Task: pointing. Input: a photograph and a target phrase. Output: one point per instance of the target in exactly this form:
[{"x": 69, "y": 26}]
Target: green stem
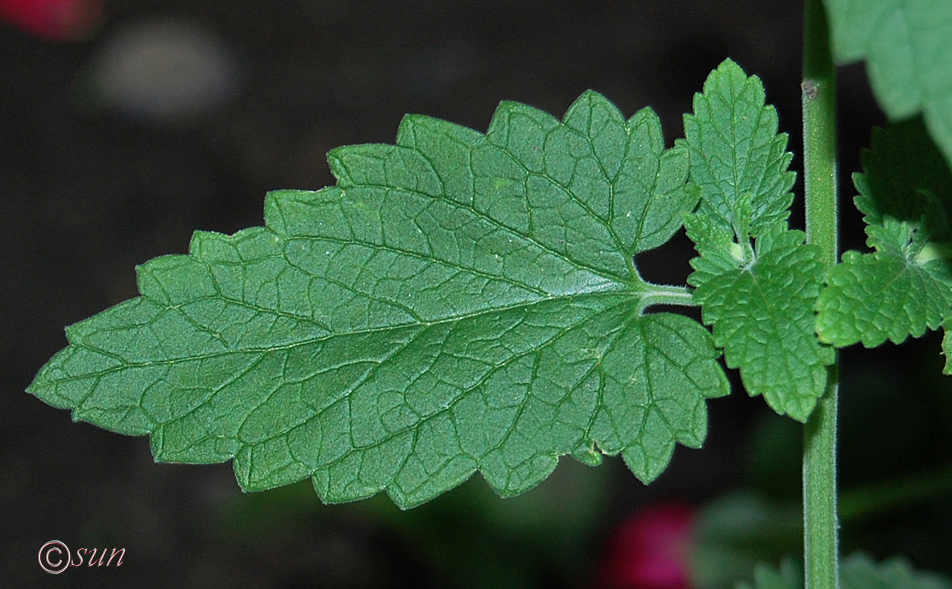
[
  {"x": 662, "y": 294},
  {"x": 820, "y": 523}
]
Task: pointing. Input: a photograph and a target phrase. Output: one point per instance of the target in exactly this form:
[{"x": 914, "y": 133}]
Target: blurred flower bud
[{"x": 650, "y": 550}]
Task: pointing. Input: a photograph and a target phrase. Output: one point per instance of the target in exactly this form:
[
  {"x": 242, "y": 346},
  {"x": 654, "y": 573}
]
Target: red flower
[
  {"x": 650, "y": 550},
  {"x": 53, "y": 20}
]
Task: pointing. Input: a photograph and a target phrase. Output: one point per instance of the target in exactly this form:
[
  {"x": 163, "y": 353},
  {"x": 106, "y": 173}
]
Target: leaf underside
[
  {"x": 759, "y": 299},
  {"x": 460, "y": 302},
  {"x": 908, "y": 57},
  {"x": 903, "y": 287}
]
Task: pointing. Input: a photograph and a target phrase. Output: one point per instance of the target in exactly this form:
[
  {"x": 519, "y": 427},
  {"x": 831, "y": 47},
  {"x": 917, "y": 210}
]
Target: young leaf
[
  {"x": 759, "y": 299},
  {"x": 908, "y": 57},
  {"x": 738, "y": 159},
  {"x": 460, "y": 302},
  {"x": 763, "y": 317},
  {"x": 905, "y": 286}
]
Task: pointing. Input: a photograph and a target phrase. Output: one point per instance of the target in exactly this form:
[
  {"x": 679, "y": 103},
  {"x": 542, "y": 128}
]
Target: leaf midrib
[{"x": 288, "y": 346}]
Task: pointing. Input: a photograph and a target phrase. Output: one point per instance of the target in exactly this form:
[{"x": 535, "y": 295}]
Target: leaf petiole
[{"x": 662, "y": 294}]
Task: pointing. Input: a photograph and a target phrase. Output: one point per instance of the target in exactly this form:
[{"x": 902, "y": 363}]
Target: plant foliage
[
  {"x": 759, "y": 299},
  {"x": 904, "y": 286},
  {"x": 459, "y": 302},
  {"x": 858, "y": 571},
  {"x": 467, "y": 302},
  {"x": 907, "y": 52}
]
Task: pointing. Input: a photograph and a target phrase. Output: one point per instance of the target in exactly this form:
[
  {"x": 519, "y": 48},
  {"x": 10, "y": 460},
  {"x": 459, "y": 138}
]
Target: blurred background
[{"x": 124, "y": 126}]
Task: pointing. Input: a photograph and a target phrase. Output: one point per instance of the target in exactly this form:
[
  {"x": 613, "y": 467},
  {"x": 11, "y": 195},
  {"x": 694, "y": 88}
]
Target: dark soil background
[{"x": 90, "y": 187}]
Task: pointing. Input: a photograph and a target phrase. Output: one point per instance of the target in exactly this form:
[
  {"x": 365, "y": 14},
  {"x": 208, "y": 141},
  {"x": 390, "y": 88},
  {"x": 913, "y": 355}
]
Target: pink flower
[
  {"x": 53, "y": 20},
  {"x": 650, "y": 550}
]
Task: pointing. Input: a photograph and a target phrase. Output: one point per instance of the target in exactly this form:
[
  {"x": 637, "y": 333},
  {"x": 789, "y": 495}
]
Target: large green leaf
[
  {"x": 460, "y": 302},
  {"x": 908, "y": 56},
  {"x": 759, "y": 298}
]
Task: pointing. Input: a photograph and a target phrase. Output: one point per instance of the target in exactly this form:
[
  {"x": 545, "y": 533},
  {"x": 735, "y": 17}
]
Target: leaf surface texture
[
  {"x": 757, "y": 282},
  {"x": 459, "y": 302}
]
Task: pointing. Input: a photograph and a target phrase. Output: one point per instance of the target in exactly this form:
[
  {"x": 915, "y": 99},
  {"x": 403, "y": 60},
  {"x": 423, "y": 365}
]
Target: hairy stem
[
  {"x": 658, "y": 294},
  {"x": 820, "y": 523}
]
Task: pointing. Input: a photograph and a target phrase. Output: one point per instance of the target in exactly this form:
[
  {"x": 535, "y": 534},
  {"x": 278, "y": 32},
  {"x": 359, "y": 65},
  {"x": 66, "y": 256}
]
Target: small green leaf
[
  {"x": 907, "y": 180},
  {"x": 873, "y": 297},
  {"x": 461, "y": 302},
  {"x": 859, "y": 571},
  {"x": 738, "y": 159},
  {"x": 908, "y": 56},
  {"x": 905, "y": 286},
  {"x": 763, "y": 317},
  {"x": 758, "y": 298}
]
